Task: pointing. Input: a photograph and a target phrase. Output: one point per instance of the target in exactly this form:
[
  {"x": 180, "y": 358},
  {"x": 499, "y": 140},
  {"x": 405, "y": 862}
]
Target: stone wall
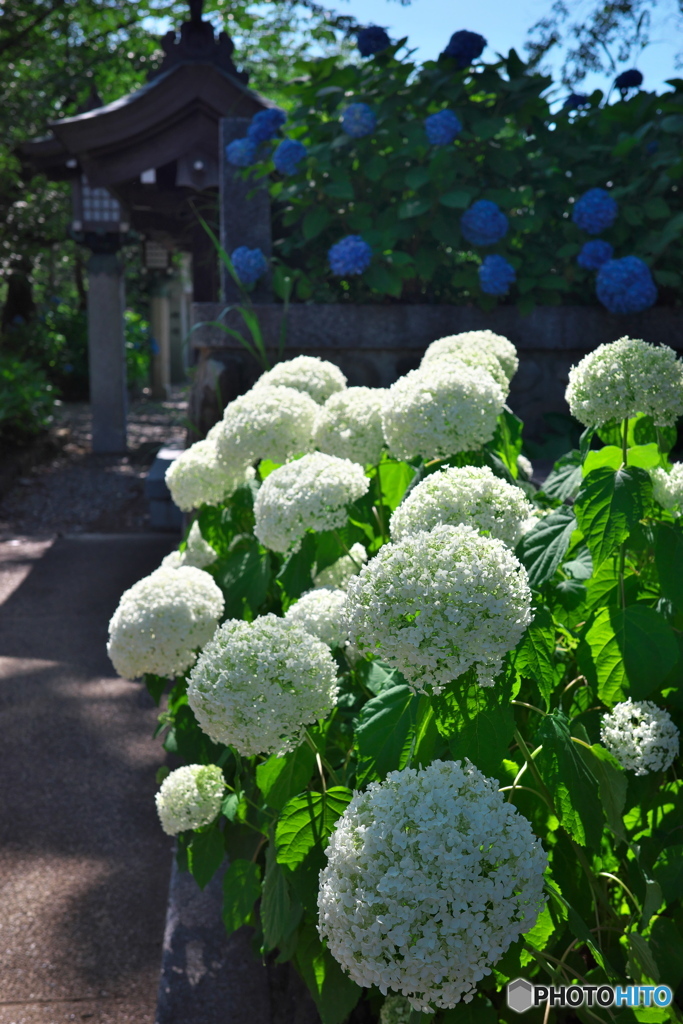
[{"x": 374, "y": 345}]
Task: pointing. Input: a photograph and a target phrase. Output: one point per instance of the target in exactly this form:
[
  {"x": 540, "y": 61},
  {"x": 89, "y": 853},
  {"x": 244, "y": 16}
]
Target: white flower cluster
[
  {"x": 258, "y": 684},
  {"x": 349, "y": 425},
  {"x": 162, "y": 620},
  {"x": 437, "y": 603},
  {"x": 197, "y": 553},
  {"x": 317, "y": 377},
  {"x": 440, "y": 410},
  {"x": 431, "y": 875},
  {"x": 495, "y": 344},
  {"x": 628, "y": 376},
  {"x": 641, "y": 736},
  {"x": 190, "y": 797},
  {"x": 667, "y": 488},
  {"x": 267, "y": 423},
  {"x": 199, "y": 477},
  {"x": 309, "y": 494},
  {"x": 340, "y": 572},
  {"x": 321, "y": 613},
  {"x": 469, "y": 352},
  {"x": 525, "y": 467},
  {"x": 465, "y": 495}
]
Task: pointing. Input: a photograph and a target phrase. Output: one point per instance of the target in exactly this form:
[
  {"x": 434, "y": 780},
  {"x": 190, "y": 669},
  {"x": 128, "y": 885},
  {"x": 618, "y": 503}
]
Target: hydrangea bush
[{"x": 436, "y": 706}]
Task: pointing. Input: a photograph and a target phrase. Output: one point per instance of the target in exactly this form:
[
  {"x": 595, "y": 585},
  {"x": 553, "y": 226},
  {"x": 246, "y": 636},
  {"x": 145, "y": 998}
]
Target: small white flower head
[
  {"x": 641, "y": 736},
  {"x": 311, "y": 493},
  {"x": 525, "y": 467},
  {"x": 321, "y": 613},
  {"x": 190, "y": 797},
  {"x": 441, "y": 410},
  {"x": 267, "y": 423},
  {"x": 197, "y": 553},
  {"x": 349, "y": 425},
  {"x": 395, "y": 1010},
  {"x": 436, "y": 604},
  {"x": 667, "y": 488},
  {"x": 628, "y": 376},
  {"x": 257, "y": 685},
  {"x": 162, "y": 621},
  {"x": 468, "y": 495},
  {"x": 317, "y": 377},
  {"x": 431, "y": 875},
  {"x": 198, "y": 477},
  {"x": 340, "y": 572},
  {"x": 469, "y": 352},
  {"x": 495, "y": 344}
]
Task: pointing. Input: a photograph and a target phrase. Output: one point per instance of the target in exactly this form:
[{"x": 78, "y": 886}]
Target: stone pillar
[
  {"x": 107, "y": 353},
  {"x": 160, "y": 327},
  {"x": 244, "y": 221}
]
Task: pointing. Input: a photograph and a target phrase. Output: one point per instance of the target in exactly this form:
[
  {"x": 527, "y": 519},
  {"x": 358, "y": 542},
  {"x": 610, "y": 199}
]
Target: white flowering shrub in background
[
  {"x": 190, "y": 797},
  {"x": 420, "y": 734}
]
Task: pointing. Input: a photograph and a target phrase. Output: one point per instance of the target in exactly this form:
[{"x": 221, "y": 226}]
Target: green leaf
[
  {"x": 385, "y": 729},
  {"x": 377, "y": 676},
  {"x": 281, "y": 778},
  {"x": 295, "y": 575},
  {"x": 413, "y": 208},
  {"x": 641, "y": 963},
  {"x": 542, "y": 549},
  {"x": 608, "y": 505},
  {"x": 155, "y": 686},
  {"x": 656, "y": 208},
  {"x": 612, "y": 785},
  {"x": 479, "y": 1011},
  {"x": 334, "y": 994},
  {"x": 307, "y": 821},
  {"x": 205, "y": 855},
  {"x": 477, "y": 721},
  {"x": 315, "y": 221},
  {"x": 669, "y": 562},
  {"x": 241, "y": 889},
  {"x": 384, "y": 279},
  {"x": 534, "y": 656},
  {"x": 243, "y": 576},
  {"x": 564, "y": 481},
  {"x": 394, "y": 478},
  {"x": 275, "y": 902},
  {"x": 609, "y": 457},
  {"x": 573, "y": 786},
  {"x": 458, "y": 199},
  {"x": 668, "y": 872},
  {"x": 580, "y": 930},
  {"x": 632, "y": 651},
  {"x": 416, "y": 177}
]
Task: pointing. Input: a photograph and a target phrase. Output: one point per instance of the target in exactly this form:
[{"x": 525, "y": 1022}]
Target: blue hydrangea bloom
[
  {"x": 595, "y": 211},
  {"x": 372, "y": 40},
  {"x": 358, "y": 120},
  {"x": 496, "y": 275},
  {"x": 249, "y": 264},
  {"x": 626, "y": 285},
  {"x": 630, "y": 79},
  {"x": 442, "y": 128},
  {"x": 241, "y": 152},
  {"x": 576, "y": 100},
  {"x": 484, "y": 223},
  {"x": 264, "y": 125},
  {"x": 465, "y": 47},
  {"x": 288, "y": 156},
  {"x": 594, "y": 254},
  {"x": 352, "y": 255}
]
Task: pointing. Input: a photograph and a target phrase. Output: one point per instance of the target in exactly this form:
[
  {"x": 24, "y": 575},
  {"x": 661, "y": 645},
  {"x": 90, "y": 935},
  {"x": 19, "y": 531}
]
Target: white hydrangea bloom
[
  {"x": 258, "y": 684},
  {"x": 435, "y": 604},
  {"x": 317, "y": 377},
  {"x": 199, "y": 477},
  {"x": 431, "y": 875},
  {"x": 628, "y": 376},
  {"x": 440, "y": 410},
  {"x": 349, "y": 425},
  {"x": 495, "y": 344},
  {"x": 641, "y": 736},
  {"x": 469, "y": 352},
  {"x": 321, "y": 613},
  {"x": 162, "y": 620},
  {"x": 190, "y": 797},
  {"x": 667, "y": 488},
  {"x": 395, "y": 1010},
  {"x": 309, "y": 494},
  {"x": 525, "y": 467},
  {"x": 340, "y": 572},
  {"x": 267, "y": 423},
  {"x": 469, "y": 495},
  {"x": 197, "y": 553}
]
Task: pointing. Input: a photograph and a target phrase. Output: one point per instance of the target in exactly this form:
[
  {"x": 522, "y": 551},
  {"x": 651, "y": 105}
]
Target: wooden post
[
  {"x": 107, "y": 353},
  {"x": 160, "y": 327}
]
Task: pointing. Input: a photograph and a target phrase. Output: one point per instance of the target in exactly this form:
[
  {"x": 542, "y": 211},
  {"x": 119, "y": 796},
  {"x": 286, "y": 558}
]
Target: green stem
[
  {"x": 380, "y": 506},
  {"x": 357, "y": 564},
  {"x": 622, "y": 550},
  {"x": 624, "y": 443},
  {"x": 532, "y": 707},
  {"x": 317, "y": 753}
]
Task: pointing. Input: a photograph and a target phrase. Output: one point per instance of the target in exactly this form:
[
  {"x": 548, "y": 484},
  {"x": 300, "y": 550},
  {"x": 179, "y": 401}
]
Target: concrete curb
[{"x": 208, "y": 977}]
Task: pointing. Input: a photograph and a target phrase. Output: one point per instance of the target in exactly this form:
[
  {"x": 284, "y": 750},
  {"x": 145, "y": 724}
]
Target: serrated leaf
[
  {"x": 306, "y": 821},
  {"x": 394, "y": 478},
  {"x": 477, "y": 721},
  {"x": 564, "y": 481},
  {"x": 632, "y": 651},
  {"x": 377, "y": 676},
  {"x": 334, "y": 994},
  {"x": 612, "y": 785},
  {"x": 534, "y": 656},
  {"x": 205, "y": 855},
  {"x": 275, "y": 902},
  {"x": 580, "y": 930},
  {"x": 243, "y": 575},
  {"x": 385, "y": 728},
  {"x": 573, "y": 786},
  {"x": 542, "y": 549},
  {"x": 608, "y": 505},
  {"x": 641, "y": 963},
  {"x": 241, "y": 889},
  {"x": 281, "y": 778}
]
